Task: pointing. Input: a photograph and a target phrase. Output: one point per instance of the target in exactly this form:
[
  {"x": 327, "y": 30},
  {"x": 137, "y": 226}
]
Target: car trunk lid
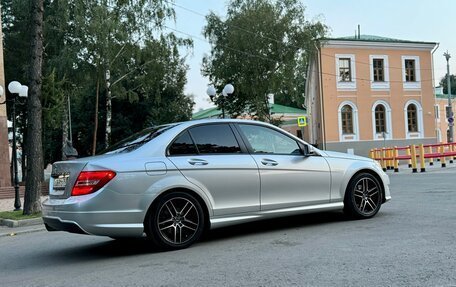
[{"x": 63, "y": 177}]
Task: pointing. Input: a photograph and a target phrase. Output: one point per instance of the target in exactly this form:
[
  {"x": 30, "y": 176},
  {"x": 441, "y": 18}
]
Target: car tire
[
  {"x": 176, "y": 221},
  {"x": 363, "y": 197}
]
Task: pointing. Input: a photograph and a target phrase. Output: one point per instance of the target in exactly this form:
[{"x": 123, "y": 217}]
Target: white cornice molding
[{"x": 377, "y": 45}]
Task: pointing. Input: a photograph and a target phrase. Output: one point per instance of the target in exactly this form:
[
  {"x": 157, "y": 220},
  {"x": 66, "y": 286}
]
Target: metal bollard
[
  {"x": 396, "y": 161},
  {"x": 431, "y": 159},
  {"x": 413, "y": 159},
  {"x": 409, "y": 154},
  {"x": 442, "y": 157},
  {"x": 422, "y": 161}
]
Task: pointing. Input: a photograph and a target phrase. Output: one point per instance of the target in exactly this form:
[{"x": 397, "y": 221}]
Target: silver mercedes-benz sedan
[{"x": 172, "y": 182}]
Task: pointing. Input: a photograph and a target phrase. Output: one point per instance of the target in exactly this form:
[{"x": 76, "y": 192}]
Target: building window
[
  {"x": 380, "y": 119},
  {"x": 412, "y": 118},
  {"x": 410, "y": 75},
  {"x": 379, "y": 70},
  {"x": 437, "y": 111},
  {"x": 347, "y": 119},
  {"x": 345, "y": 70}
]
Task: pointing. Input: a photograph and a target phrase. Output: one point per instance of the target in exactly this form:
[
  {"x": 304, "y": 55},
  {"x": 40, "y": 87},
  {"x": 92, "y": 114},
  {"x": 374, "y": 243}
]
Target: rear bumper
[
  {"x": 78, "y": 215},
  {"x": 55, "y": 224}
]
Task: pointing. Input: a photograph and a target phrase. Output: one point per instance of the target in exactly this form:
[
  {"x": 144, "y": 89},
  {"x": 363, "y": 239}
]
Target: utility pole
[{"x": 450, "y": 107}]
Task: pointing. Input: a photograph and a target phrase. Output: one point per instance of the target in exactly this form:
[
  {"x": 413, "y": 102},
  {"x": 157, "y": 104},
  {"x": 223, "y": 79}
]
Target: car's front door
[
  {"x": 288, "y": 178},
  {"x": 211, "y": 157}
]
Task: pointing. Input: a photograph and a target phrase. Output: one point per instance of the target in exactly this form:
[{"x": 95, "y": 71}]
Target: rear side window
[
  {"x": 212, "y": 139},
  {"x": 183, "y": 145}
]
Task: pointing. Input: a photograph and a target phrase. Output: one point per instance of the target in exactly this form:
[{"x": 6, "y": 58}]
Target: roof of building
[
  {"x": 443, "y": 96},
  {"x": 275, "y": 108},
  {"x": 374, "y": 38}
]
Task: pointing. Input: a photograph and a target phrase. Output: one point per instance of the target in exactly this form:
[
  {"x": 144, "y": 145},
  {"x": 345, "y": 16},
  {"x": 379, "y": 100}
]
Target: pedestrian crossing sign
[{"x": 302, "y": 121}]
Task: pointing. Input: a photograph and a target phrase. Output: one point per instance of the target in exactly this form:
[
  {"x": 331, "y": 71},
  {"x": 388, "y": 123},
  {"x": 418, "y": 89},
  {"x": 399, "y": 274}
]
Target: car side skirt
[{"x": 218, "y": 222}]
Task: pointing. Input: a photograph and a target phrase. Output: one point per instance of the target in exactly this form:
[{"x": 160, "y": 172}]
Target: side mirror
[{"x": 307, "y": 150}]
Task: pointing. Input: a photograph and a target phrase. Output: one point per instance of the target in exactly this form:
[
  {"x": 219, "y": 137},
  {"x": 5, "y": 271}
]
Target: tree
[
  {"x": 32, "y": 199},
  {"x": 444, "y": 84},
  {"x": 261, "y": 47}
]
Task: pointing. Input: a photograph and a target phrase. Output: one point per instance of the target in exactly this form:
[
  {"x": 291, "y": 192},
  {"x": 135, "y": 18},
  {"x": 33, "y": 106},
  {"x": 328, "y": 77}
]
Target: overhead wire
[{"x": 277, "y": 40}]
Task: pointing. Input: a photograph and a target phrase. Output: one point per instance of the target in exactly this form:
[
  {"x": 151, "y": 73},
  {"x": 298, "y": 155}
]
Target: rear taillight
[{"x": 91, "y": 181}]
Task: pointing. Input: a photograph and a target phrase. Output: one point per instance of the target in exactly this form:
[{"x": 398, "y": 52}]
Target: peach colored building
[
  {"x": 5, "y": 176},
  {"x": 441, "y": 122},
  {"x": 369, "y": 91}
]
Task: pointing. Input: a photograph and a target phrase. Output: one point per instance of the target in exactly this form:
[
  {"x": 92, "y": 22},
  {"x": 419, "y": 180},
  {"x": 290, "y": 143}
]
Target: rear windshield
[{"x": 138, "y": 139}]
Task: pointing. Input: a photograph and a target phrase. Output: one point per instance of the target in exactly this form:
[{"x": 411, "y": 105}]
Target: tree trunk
[
  {"x": 108, "y": 110},
  {"x": 95, "y": 128},
  {"x": 32, "y": 200},
  {"x": 65, "y": 121}
]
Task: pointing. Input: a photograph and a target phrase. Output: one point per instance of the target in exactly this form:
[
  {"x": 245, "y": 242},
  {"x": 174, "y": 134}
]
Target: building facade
[
  {"x": 5, "y": 174},
  {"x": 368, "y": 91},
  {"x": 441, "y": 122}
]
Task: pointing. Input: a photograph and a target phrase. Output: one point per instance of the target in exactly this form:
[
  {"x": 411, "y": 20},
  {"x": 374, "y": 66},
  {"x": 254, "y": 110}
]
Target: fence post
[
  {"x": 371, "y": 154},
  {"x": 409, "y": 154},
  {"x": 422, "y": 160},
  {"x": 431, "y": 159},
  {"x": 442, "y": 157},
  {"x": 413, "y": 159},
  {"x": 396, "y": 161},
  {"x": 450, "y": 147},
  {"x": 383, "y": 159},
  {"x": 454, "y": 149}
]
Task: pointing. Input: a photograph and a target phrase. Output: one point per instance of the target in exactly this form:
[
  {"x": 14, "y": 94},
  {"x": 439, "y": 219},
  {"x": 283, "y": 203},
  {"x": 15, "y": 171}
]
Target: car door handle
[
  {"x": 269, "y": 162},
  {"x": 196, "y": 161}
]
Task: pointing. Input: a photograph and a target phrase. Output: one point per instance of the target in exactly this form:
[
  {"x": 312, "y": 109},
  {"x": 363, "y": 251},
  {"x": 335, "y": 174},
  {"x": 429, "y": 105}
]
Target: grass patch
[{"x": 17, "y": 215}]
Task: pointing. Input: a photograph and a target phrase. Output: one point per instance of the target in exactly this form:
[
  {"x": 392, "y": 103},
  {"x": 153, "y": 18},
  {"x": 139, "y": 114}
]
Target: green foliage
[
  {"x": 262, "y": 47},
  {"x": 83, "y": 40},
  {"x": 17, "y": 215},
  {"x": 444, "y": 84}
]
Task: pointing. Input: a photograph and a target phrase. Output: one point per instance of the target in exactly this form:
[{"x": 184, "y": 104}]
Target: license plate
[{"x": 59, "y": 185}]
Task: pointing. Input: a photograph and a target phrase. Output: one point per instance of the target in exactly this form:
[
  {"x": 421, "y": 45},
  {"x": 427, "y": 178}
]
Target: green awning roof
[
  {"x": 373, "y": 38},
  {"x": 275, "y": 108}
]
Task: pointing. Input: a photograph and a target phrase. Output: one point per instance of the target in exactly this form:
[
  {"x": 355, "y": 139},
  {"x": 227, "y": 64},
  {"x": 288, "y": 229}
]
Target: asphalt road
[{"x": 411, "y": 242}]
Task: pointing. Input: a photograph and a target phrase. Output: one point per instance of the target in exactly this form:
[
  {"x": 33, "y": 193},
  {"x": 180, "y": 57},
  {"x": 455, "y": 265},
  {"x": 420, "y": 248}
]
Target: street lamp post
[
  {"x": 22, "y": 91},
  {"x": 450, "y": 107},
  {"x": 212, "y": 93}
]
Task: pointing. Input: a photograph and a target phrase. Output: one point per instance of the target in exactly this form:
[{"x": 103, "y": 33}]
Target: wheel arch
[
  {"x": 201, "y": 201},
  {"x": 374, "y": 174}
]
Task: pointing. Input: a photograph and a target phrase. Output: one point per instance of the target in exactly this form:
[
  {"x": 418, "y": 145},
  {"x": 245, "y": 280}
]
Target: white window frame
[
  {"x": 419, "y": 114},
  {"x": 385, "y": 85},
  {"x": 346, "y": 86},
  {"x": 388, "y": 119},
  {"x": 412, "y": 85},
  {"x": 438, "y": 135},
  {"x": 349, "y": 137}
]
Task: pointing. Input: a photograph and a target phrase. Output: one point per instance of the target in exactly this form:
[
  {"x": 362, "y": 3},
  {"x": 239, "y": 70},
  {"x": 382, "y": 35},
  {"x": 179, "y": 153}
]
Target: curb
[
  {"x": 19, "y": 223},
  {"x": 14, "y": 233}
]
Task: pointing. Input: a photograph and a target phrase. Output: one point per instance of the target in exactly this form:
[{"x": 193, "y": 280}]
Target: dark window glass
[
  {"x": 380, "y": 121},
  {"x": 347, "y": 119},
  {"x": 183, "y": 145},
  {"x": 266, "y": 140},
  {"x": 410, "y": 71},
  {"x": 412, "y": 118},
  {"x": 215, "y": 139},
  {"x": 378, "y": 70},
  {"x": 137, "y": 140},
  {"x": 345, "y": 70}
]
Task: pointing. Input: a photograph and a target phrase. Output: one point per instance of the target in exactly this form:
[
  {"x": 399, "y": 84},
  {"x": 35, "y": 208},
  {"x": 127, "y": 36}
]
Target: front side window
[
  {"x": 347, "y": 119},
  {"x": 345, "y": 70},
  {"x": 379, "y": 70},
  {"x": 380, "y": 121},
  {"x": 410, "y": 75},
  {"x": 266, "y": 140},
  {"x": 215, "y": 139},
  {"x": 412, "y": 118}
]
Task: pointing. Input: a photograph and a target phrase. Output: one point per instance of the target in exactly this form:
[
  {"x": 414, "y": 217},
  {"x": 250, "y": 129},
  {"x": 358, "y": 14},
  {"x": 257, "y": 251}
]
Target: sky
[{"x": 419, "y": 20}]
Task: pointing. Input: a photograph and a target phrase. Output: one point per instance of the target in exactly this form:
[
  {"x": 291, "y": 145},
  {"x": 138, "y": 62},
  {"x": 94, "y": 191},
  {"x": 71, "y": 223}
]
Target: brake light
[{"x": 91, "y": 181}]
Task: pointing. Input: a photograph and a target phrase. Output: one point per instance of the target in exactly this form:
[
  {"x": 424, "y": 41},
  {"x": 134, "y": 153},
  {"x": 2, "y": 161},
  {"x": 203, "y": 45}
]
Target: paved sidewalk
[{"x": 8, "y": 204}]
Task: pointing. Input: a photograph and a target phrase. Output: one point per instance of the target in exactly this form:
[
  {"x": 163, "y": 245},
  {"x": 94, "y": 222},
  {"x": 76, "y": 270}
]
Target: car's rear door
[
  {"x": 213, "y": 157},
  {"x": 288, "y": 178}
]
